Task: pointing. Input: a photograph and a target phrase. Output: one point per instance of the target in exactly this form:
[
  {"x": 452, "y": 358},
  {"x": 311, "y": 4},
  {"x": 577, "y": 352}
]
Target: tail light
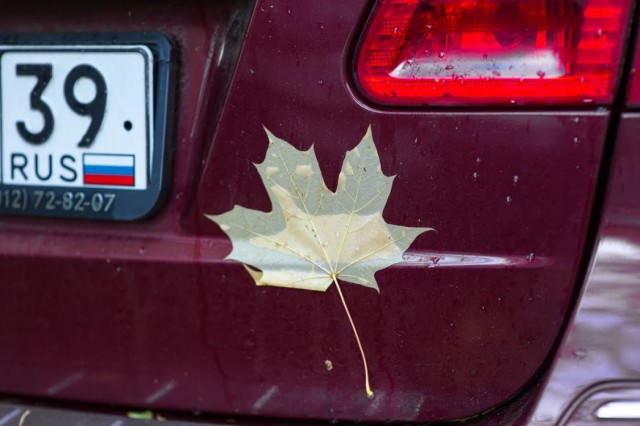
[
  {"x": 634, "y": 87},
  {"x": 444, "y": 52}
]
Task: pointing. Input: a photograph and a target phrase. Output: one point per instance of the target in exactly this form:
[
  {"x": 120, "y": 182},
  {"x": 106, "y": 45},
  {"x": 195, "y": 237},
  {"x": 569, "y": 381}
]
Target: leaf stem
[{"x": 355, "y": 333}]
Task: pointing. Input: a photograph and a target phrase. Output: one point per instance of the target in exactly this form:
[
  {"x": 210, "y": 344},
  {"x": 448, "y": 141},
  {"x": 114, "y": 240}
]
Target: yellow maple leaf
[{"x": 314, "y": 237}]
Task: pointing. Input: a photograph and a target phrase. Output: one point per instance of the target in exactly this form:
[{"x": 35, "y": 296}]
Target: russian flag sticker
[{"x": 108, "y": 169}]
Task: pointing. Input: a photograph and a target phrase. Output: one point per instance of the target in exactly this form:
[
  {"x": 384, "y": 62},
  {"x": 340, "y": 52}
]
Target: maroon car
[{"x": 381, "y": 211}]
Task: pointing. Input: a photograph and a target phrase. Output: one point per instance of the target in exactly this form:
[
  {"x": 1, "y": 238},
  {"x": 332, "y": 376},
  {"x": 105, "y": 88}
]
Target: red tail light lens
[
  {"x": 634, "y": 87},
  {"x": 444, "y": 52}
]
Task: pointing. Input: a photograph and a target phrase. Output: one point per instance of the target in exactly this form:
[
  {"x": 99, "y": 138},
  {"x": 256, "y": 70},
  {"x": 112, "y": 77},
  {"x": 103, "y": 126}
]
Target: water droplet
[
  {"x": 320, "y": 82},
  {"x": 142, "y": 250},
  {"x": 395, "y": 30},
  {"x": 435, "y": 259},
  {"x": 415, "y": 142},
  {"x": 485, "y": 56},
  {"x": 516, "y": 179},
  {"x": 251, "y": 71},
  {"x": 321, "y": 26},
  {"x": 541, "y": 73},
  {"x": 441, "y": 54},
  {"x": 499, "y": 299},
  {"x": 576, "y": 140},
  {"x": 448, "y": 67},
  {"x": 599, "y": 32},
  {"x": 531, "y": 257},
  {"x": 119, "y": 269},
  {"x": 108, "y": 260},
  {"x": 508, "y": 200},
  {"x": 513, "y": 101},
  {"x": 476, "y": 175},
  {"x": 328, "y": 365},
  {"x": 289, "y": 11},
  {"x": 576, "y": 119},
  {"x": 483, "y": 308},
  {"x": 478, "y": 160}
]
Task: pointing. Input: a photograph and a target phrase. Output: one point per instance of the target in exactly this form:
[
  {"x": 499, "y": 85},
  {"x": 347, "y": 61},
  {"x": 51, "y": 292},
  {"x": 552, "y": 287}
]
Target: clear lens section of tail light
[{"x": 484, "y": 52}]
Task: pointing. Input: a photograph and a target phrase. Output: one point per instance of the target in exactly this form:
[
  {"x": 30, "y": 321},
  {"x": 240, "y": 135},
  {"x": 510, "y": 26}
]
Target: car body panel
[
  {"x": 601, "y": 346},
  {"x": 152, "y": 314}
]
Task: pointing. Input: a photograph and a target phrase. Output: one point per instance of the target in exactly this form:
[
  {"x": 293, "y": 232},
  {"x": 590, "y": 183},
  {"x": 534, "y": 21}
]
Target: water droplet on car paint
[
  {"x": 483, "y": 308},
  {"x": 435, "y": 260},
  {"x": 576, "y": 140},
  {"x": 485, "y": 56},
  {"x": 142, "y": 250},
  {"x": 516, "y": 179},
  {"x": 476, "y": 175},
  {"x": 499, "y": 299},
  {"x": 320, "y": 82},
  {"x": 531, "y": 257},
  {"x": 448, "y": 67},
  {"x": 599, "y": 32},
  {"x": 441, "y": 54},
  {"x": 328, "y": 365},
  {"x": 478, "y": 160},
  {"x": 576, "y": 119},
  {"x": 119, "y": 269},
  {"x": 508, "y": 200},
  {"x": 541, "y": 73}
]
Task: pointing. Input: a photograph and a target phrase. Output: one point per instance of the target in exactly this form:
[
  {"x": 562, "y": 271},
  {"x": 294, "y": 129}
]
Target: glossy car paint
[
  {"x": 151, "y": 314},
  {"x": 600, "y": 350}
]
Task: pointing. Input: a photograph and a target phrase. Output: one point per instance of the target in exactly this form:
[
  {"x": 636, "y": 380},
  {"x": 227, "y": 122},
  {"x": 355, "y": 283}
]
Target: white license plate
[{"x": 83, "y": 126}]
